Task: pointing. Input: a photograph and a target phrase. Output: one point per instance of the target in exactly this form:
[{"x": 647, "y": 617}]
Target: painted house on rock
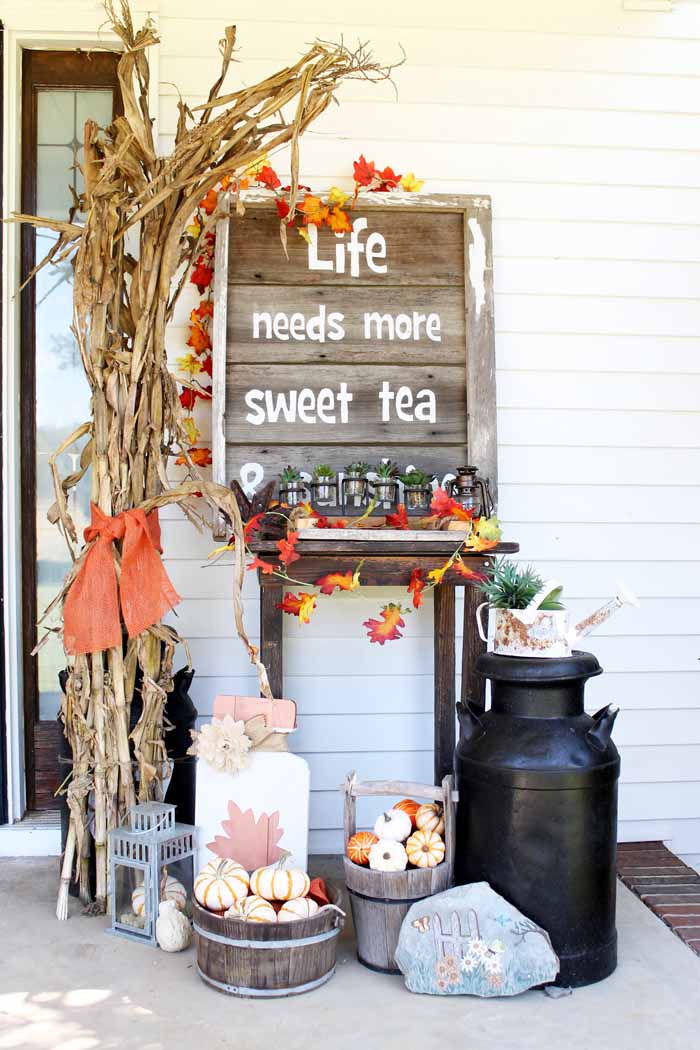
[{"x": 575, "y": 127}]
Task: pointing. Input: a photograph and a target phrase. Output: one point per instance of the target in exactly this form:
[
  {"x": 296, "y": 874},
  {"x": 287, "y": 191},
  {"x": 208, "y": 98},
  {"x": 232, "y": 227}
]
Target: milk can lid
[{"x": 538, "y": 669}]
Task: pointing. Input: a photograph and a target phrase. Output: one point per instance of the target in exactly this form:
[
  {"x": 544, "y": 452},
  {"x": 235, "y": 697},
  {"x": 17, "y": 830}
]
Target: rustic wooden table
[{"x": 389, "y": 563}]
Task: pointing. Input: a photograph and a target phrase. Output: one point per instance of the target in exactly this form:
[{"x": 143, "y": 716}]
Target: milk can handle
[{"x": 480, "y": 627}]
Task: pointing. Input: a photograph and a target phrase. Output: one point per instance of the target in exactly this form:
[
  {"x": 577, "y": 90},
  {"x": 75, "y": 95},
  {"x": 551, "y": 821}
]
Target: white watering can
[{"x": 543, "y": 632}]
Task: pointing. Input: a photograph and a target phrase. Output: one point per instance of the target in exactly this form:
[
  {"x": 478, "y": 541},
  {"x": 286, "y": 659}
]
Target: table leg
[
  {"x": 444, "y": 672},
  {"x": 473, "y": 685},
  {"x": 272, "y": 634}
]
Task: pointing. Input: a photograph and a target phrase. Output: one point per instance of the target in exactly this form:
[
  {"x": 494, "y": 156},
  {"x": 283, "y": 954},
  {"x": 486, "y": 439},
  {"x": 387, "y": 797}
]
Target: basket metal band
[
  {"x": 297, "y": 943},
  {"x": 385, "y": 900},
  {"x": 266, "y": 993}
]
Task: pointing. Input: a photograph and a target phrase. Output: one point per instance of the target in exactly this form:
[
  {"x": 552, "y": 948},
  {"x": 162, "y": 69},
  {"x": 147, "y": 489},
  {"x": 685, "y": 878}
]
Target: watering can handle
[{"x": 484, "y": 635}]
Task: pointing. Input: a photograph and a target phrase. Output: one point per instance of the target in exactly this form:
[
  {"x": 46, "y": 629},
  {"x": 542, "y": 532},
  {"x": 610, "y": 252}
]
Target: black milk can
[{"x": 537, "y": 812}]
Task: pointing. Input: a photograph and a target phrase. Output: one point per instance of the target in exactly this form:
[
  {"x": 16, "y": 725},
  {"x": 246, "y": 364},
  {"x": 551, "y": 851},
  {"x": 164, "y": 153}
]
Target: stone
[{"x": 470, "y": 941}]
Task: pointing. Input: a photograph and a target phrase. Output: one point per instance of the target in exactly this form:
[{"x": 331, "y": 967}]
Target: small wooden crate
[
  {"x": 380, "y": 899},
  {"x": 265, "y": 960}
]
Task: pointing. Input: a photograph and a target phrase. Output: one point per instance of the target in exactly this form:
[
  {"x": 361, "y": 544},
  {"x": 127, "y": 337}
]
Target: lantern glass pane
[
  {"x": 177, "y": 883},
  {"x": 132, "y": 904}
]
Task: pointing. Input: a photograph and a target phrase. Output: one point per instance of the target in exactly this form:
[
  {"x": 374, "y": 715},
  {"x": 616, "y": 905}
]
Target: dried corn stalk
[{"x": 130, "y": 260}]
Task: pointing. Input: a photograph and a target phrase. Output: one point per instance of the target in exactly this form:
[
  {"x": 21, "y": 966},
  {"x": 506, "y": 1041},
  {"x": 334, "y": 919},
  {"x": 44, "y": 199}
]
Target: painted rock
[{"x": 470, "y": 941}]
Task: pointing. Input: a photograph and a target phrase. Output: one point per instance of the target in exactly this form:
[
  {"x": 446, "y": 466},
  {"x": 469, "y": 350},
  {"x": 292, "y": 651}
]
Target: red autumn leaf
[
  {"x": 282, "y": 208},
  {"x": 339, "y": 221},
  {"x": 201, "y": 275},
  {"x": 344, "y": 581},
  {"x": 442, "y": 504},
  {"x": 465, "y": 571},
  {"x": 398, "y": 520},
  {"x": 300, "y": 605},
  {"x": 286, "y": 548},
  {"x": 253, "y": 524},
  {"x": 266, "y": 567},
  {"x": 267, "y": 176},
  {"x": 324, "y": 523},
  {"x": 318, "y": 891},
  {"x": 199, "y": 338},
  {"x": 188, "y": 398},
  {"x": 208, "y": 203},
  {"x": 386, "y": 629},
  {"x": 205, "y": 309},
  {"x": 390, "y": 179},
  {"x": 416, "y": 586},
  {"x": 207, "y": 364},
  {"x": 363, "y": 171}
]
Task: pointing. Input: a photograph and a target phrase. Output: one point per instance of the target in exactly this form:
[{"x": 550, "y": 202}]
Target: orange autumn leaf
[
  {"x": 286, "y": 548},
  {"x": 205, "y": 309},
  {"x": 307, "y": 510},
  {"x": 389, "y": 179},
  {"x": 386, "y": 629},
  {"x": 300, "y": 605},
  {"x": 208, "y": 203},
  {"x": 363, "y": 171},
  {"x": 398, "y": 520},
  {"x": 313, "y": 209},
  {"x": 465, "y": 571},
  {"x": 339, "y": 221},
  {"x": 416, "y": 586},
  {"x": 324, "y": 523},
  {"x": 199, "y": 338},
  {"x": 201, "y": 275},
  {"x": 253, "y": 524},
  {"x": 344, "y": 581},
  {"x": 266, "y": 567},
  {"x": 436, "y": 574},
  {"x": 201, "y": 457},
  {"x": 267, "y": 176},
  {"x": 442, "y": 504}
]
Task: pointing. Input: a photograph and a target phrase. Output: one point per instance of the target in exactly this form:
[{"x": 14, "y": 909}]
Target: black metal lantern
[{"x": 472, "y": 492}]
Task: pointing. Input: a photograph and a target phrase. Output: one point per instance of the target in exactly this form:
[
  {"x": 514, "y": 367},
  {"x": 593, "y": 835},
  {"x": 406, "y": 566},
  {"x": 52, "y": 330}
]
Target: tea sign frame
[{"x": 357, "y": 346}]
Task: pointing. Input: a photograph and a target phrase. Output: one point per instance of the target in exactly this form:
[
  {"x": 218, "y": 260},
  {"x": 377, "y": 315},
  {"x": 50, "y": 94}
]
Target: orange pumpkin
[
  {"x": 429, "y": 818},
  {"x": 425, "y": 849},
  {"x": 359, "y": 845},
  {"x": 409, "y": 806}
]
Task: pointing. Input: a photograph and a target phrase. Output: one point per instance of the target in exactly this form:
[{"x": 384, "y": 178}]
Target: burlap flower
[{"x": 222, "y": 743}]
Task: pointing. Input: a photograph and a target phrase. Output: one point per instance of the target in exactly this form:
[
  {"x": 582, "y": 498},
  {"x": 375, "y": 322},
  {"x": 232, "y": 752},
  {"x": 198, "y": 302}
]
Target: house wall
[{"x": 581, "y": 120}]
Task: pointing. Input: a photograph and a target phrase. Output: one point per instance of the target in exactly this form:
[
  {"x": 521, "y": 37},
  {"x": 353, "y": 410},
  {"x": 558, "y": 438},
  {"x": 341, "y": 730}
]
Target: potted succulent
[
  {"x": 385, "y": 484},
  {"x": 355, "y": 483},
  {"x": 324, "y": 485},
  {"x": 417, "y": 489},
  {"x": 293, "y": 488}
]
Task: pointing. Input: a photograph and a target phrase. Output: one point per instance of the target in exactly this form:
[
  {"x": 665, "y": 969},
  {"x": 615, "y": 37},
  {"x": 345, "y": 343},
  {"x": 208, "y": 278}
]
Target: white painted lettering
[
  {"x": 257, "y": 416},
  {"x": 344, "y": 398},
  {"x": 376, "y": 249},
  {"x": 305, "y": 406},
  {"x": 386, "y": 395},
  {"x": 404, "y": 400},
  {"x": 325, "y": 405},
  {"x": 426, "y": 408},
  {"x": 314, "y": 262},
  {"x": 280, "y": 326},
  {"x": 263, "y": 318}
]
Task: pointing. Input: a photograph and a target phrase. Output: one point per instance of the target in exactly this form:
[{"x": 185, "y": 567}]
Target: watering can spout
[{"x": 624, "y": 596}]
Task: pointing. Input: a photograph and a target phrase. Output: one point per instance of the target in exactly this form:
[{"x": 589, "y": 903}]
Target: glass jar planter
[
  {"x": 354, "y": 490},
  {"x": 417, "y": 497},
  {"x": 324, "y": 491},
  {"x": 294, "y": 492},
  {"x": 385, "y": 490}
]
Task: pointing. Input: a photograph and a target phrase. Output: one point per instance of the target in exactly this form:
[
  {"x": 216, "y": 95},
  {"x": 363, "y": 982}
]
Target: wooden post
[
  {"x": 444, "y": 649},
  {"x": 272, "y": 633},
  {"x": 473, "y": 685}
]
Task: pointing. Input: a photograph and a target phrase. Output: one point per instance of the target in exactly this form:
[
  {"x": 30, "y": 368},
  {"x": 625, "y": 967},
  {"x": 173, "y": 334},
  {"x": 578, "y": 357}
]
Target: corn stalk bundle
[{"x": 131, "y": 257}]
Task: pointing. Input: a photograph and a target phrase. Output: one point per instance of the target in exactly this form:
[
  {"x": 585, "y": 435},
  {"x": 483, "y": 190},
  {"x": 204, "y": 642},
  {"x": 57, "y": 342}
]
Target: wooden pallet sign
[{"x": 359, "y": 346}]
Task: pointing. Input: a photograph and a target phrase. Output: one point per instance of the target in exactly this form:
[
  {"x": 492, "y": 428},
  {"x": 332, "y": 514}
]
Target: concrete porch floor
[{"x": 67, "y": 986}]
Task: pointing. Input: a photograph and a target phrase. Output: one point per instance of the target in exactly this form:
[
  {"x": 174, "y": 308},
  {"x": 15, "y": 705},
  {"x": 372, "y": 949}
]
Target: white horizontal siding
[{"x": 582, "y": 121}]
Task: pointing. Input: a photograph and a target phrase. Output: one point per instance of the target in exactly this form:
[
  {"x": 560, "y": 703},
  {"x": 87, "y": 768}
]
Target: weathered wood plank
[
  {"x": 350, "y": 411},
  {"x": 473, "y": 685},
  {"x": 444, "y": 680},
  {"x": 367, "y": 340},
  {"x": 272, "y": 634},
  {"x": 414, "y": 253}
]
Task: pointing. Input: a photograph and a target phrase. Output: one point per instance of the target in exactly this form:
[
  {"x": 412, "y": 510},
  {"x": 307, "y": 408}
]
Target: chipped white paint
[{"x": 477, "y": 264}]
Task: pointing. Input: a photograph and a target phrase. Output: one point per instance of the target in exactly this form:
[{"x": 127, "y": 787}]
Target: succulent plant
[
  {"x": 415, "y": 478},
  {"x": 322, "y": 472},
  {"x": 290, "y": 474},
  {"x": 358, "y": 469},
  {"x": 386, "y": 469},
  {"x": 508, "y": 586}
]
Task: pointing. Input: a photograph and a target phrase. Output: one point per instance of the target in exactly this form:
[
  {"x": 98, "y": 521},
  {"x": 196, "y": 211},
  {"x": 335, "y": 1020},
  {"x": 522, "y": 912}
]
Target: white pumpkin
[
  {"x": 429, "y": 817},
  {"x": 256, "y": 909},
  {"x": 220, "y": 883},
  {"x": 298, "y": 908},
  {"x": 425, "y": 849},
  {"x": 388, "y": 855},
  {"x": 395, "y": 824},
  {"x": 173, "y": 930},
  {"x": 174, "y": 891},
  {"x": 276, "y": 883}
]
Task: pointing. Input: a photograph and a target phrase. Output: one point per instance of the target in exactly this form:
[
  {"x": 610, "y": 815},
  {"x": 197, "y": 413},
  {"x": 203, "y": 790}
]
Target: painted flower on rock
[
  {"x": 223, "y": 744},
  {"x": 447, "y": 972}
]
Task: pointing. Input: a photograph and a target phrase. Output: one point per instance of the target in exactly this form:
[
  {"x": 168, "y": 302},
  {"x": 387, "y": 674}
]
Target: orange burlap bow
[{"x": 91, "y": 611}]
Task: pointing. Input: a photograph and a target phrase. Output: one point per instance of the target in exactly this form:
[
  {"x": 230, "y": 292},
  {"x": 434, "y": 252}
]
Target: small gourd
[
  {"x": 430, "y": 818},
  {"x": 220, "y": 883},
  {"x": 425, "y": 849},
  {"x": 408, "y": 805},
  {"x": 172, "y": 891},
  {"x": 299, "y": 908},
  {"x": 388, "y": 855},
  {"x": 276, "y": 883},
  {"x": 394, "y": 824},
  {"x": 173, "y": 930},
  {"x": 359, "y": 845},
  {"x": 256, "y": 909}
]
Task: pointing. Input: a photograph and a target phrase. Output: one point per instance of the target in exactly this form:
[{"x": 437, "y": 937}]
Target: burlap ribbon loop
[
  {"x": 262, "y": 737},
  {"x": 91, "y": 611}
]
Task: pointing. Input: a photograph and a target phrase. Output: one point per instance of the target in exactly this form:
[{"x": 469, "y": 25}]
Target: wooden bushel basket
[
  {"x": 267, "y": 960},
  {"x": 381, "y": 899}
]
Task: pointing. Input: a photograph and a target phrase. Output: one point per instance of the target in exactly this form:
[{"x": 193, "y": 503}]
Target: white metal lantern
[{"x": 150, "y": 861}]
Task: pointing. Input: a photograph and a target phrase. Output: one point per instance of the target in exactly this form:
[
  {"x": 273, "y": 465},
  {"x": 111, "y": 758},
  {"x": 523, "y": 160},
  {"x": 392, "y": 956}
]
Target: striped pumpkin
[
  {"x": 429, "y": 818},
  {"x": 256, "y": 909},
  {"x": 298, "y": 908},
  {"x": 220, "y": 883},
  {"x": 425, "y": 849},
  {"x": 407, "y": 805},
  {"x": 359, "y": 845},
  {"x": 174, "y": 891},
  {"x": 279, "y": 884}
]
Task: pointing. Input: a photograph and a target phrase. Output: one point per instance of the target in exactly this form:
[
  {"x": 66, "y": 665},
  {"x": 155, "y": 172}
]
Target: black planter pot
[{"x": 537, "y": 813}]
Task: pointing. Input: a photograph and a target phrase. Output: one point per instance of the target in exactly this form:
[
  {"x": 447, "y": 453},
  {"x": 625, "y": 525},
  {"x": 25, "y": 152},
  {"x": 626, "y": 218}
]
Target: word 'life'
[{"x": 330, "y": 406}]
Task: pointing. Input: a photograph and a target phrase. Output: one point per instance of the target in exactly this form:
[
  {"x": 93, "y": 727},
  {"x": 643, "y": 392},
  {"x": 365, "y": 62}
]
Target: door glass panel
[{"x": 62, "y": 393}]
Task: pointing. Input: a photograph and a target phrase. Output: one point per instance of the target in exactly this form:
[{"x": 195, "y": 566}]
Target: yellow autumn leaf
[
  {"x": 337, "y": 196},
  {"x": 191, "y": 429},
  {"x": 303, "y": 232},
  {"x": 256, "y": 168},
  {"x": 436, "y": 574},
  {"x": 188, "y": 364},
  {"x": 195, "y": 228},
  {"x": 411, "y": 184}
]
